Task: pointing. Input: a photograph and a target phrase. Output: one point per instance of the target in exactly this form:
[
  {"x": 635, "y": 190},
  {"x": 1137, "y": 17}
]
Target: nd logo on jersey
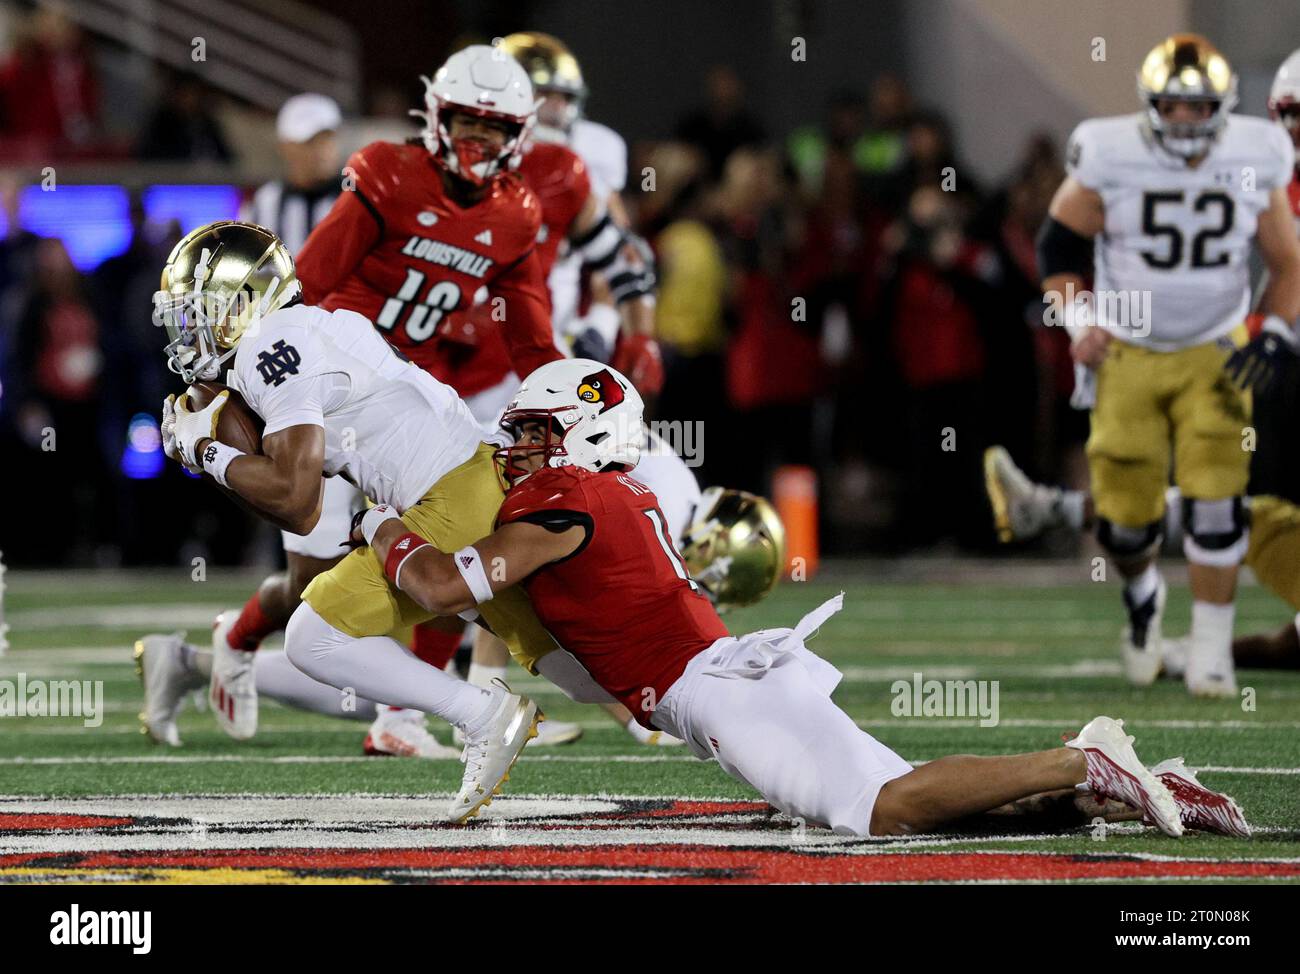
[{"x": 280, "y": 361}]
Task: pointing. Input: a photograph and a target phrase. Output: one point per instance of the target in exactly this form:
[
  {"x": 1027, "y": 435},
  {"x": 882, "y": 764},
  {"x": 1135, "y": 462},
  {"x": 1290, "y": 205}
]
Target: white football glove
[
  {"x": 191, "y": 427},
  {"x": 168, "y": 428}
]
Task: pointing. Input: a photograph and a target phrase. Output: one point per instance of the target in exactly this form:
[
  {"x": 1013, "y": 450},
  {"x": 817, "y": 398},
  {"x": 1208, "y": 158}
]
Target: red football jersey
[
  {"x": 622, "y": 603},
  {"x": 399, "y": 250},
  {"x": 559, "y": 180}
]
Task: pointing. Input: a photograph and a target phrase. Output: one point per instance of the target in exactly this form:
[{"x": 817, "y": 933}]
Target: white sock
[
  {"x": 482, "y": 676},
  {"x": 382, "y": 669},
  {"x": 1072, "y": 508},
  {"x": 198, "y": 661},
  {"x": 1212, "y": 632},
  {"x": 1143, "y": 586},
  {"x": 636, "y": 730},
  {"x": 283, "y": 682}
]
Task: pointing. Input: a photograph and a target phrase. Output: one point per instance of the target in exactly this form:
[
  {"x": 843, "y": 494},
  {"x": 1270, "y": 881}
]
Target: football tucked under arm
[{"x": 447, "y": 583}]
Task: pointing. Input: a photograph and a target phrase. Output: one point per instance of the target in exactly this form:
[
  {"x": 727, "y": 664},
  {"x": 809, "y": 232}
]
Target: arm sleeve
[
  {"x": 336, "y": 246},
  {"x": 527, "y": 324}
]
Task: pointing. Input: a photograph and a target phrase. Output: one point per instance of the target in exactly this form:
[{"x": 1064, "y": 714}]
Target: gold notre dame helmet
[
  {"x": 735, "y": 547},
  {"x": 551, "y": 67},
  {"x": 219, "y": 280},
  {"x": 1187, "y": 67}
]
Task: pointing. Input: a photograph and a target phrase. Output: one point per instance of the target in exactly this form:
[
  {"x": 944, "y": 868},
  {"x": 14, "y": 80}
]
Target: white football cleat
[
  {"x": 491, "y": 753},
  {"x": 662, "y": 739},
  {"x": 404, "y": 734},
  {"x": 550, "y": 733},
  {"x": 1022, "y": 509},
  {"x": 160, "y": 665},
  {"x": 1210, "y": 674},
  {"x": 1198, "y": 806},
  {"x": 1114, "y": 771},
  {"x": 1173, "y": 655},
  {"x": 1141, "y": 643},
  {"x": 232, "y": 690}
]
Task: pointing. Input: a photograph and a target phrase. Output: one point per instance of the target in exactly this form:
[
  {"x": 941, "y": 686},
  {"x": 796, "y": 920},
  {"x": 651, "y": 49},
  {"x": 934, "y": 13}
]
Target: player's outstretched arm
[
  {"x": 448, "y": 583},
  {"x": 283, "y": 483},
  {"x": 1076, "y": 216}
]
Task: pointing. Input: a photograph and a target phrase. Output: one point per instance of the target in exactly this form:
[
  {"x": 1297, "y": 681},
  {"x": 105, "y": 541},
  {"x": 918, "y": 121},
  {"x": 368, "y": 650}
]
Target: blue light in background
[
  {"x": 94, "y": 222},
  {"x": 143, "y": 457},
  {"x": 193, "y": 206}
]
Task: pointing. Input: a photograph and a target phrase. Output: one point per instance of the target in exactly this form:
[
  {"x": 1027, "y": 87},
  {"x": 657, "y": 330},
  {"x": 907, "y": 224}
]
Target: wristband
[
  {"x": 216, "y": 458},
  {"x": 1274, "y": 325},
  {"x": 605, "y": 320},
  {"x": 470, "y": 566},
  {"x": 402, "y": 549},
  {"x": 373, "y": 518}
]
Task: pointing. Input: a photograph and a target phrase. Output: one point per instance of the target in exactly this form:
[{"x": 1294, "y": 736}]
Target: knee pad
[
  {"x": 1217, "y": 533},
  {"x": 1122, "y": 541}
]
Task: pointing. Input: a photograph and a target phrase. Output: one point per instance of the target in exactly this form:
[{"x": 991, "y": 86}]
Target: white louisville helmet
[
  {"x": 592, "y": 415},
  {"x": 483, "y": 81},
  {"x": 1284, "y": 96}
]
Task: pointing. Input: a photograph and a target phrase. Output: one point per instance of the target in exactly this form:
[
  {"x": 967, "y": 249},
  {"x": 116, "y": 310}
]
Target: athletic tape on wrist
[
  {"x": 470, "y": 565},
  {"x": 217, "y": 457},
  {"x": 373, "y": 518},
  {"x": 402, "y": 549}
]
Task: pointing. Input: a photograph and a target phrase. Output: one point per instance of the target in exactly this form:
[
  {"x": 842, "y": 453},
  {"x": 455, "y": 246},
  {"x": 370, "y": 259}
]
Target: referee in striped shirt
[{"x": 307, "y": 128}]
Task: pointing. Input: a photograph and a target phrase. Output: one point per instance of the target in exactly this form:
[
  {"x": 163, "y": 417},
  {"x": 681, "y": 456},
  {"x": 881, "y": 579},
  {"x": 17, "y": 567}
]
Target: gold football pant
[
  {"x": 1274, "y": 553},
  {"x": 356, "y": 597},
  {"x": 1154, "y": 407}
]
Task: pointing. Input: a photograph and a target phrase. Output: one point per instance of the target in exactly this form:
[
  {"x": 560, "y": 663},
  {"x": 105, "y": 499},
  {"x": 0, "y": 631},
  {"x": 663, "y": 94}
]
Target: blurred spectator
[
  {"x": 723, "y": 124},
  {"x": 184, "y": 128},
  {"x": 48, "y": 94},
  {"x": 934, "y": 307},
  {"x": 871, "y": 147},
  {"x": 307, "y": 128},
  {"x": 58, "y": 367}
]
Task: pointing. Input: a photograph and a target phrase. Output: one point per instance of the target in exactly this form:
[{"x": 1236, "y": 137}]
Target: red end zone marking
[
  {"x": 692, "y": 864},
  {"x": 18, "y": 821}
]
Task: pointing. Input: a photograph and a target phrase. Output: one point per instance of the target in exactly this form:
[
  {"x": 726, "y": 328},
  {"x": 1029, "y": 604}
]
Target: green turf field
[{"x": 1048, "y": 641}]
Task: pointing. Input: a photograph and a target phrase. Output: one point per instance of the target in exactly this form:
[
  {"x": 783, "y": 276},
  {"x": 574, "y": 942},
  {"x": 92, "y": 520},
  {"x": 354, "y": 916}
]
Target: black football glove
[{"x": 1256, "y": 364}]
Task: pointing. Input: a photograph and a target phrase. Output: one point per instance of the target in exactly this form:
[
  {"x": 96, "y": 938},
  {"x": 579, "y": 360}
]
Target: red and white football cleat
[
  {"x": 404, "y": 734},
  {"x": 1198, "y": 806},
  {"x": 1114, "y": 771},
  {"x": 232, "y": 690}
]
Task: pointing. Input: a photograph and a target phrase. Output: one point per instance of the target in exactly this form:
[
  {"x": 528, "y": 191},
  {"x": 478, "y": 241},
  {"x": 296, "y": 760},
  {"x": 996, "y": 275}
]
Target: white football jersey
[
  {"x": 390, "y": 428},
  {"x": 1171, "y": 265},
  {"x": 604, "y": 153},
  {"x": 673, "y": 483}
]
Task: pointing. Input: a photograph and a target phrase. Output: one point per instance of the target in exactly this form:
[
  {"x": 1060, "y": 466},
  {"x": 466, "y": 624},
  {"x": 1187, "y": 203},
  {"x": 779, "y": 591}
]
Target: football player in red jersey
[{"x": 588, "y": 543}]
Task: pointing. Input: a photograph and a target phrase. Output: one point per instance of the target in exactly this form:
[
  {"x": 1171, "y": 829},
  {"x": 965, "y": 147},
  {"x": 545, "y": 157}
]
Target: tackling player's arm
[
  {"x": 446, "y": 584},
  {"x": 1077, "y": 215}
]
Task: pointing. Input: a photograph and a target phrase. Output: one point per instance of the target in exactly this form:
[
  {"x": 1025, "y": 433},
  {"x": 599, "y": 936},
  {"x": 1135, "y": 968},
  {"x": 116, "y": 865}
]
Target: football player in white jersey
[
  {"x": 1164, "y": 205},
  {"x": 337, "y": 400}
]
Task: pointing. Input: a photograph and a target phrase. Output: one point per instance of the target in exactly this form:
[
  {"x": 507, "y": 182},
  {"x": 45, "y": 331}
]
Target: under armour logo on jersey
[
  {"x": 280, "y": 361},
  {"x": 485, "y": 238}
]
